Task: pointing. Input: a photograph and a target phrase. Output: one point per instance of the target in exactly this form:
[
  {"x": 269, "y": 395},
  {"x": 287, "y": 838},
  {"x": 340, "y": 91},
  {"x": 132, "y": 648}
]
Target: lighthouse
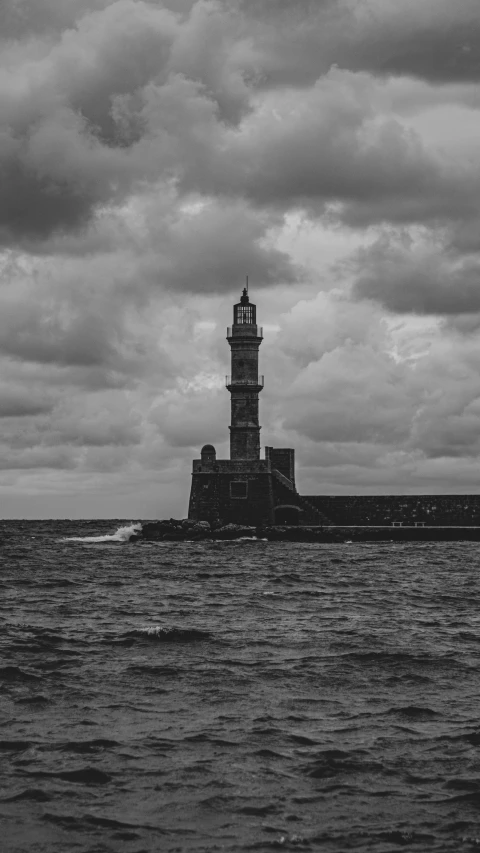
[
  {"x": 246, "y": 489},
  {"x": 244, "y": 382}
]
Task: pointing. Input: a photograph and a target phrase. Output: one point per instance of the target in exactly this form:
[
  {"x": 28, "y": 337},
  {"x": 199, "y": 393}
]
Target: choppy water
[{"x": 236, "y": 696}]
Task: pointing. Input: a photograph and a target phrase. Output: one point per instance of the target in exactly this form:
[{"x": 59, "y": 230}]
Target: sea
[{"x": 236, "y": 696}]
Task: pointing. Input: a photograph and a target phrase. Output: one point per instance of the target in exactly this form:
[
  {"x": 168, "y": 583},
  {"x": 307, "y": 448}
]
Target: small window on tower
[{"x": 239, "y": 489}]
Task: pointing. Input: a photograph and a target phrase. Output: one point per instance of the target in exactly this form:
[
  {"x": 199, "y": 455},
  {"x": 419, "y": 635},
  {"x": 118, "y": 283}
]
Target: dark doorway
[{"x": 287, "y": 515}]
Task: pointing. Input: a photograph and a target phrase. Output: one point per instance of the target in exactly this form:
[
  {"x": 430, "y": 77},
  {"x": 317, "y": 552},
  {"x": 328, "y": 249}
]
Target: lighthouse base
[{"x": 248, "y": 492}]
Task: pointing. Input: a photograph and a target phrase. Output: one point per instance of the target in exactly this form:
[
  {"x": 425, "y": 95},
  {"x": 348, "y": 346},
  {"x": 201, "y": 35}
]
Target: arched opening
[{"x": 287, "y": 515}]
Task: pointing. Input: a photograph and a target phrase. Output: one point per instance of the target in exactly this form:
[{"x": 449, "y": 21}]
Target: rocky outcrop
[
  {"x": 183, "y": 530},
  {"x": 234, "y": 531},
  {"x": 173, "y": 530}
]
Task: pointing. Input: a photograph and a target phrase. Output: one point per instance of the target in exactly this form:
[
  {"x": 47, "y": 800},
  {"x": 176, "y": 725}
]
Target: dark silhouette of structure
[
  {"x": 248, "y": 490},
  {"x": 244, "y": 383}
]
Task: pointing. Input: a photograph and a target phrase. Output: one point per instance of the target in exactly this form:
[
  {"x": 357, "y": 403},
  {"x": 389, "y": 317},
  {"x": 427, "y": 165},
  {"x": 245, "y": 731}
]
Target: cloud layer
[{"x": 151, "y": 155}]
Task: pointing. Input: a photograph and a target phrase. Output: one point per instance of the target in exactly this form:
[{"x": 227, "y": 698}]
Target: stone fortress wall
[{"x": 401, "y": 510}]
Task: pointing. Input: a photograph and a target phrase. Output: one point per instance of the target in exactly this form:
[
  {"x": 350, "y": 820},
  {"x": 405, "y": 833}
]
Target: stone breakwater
[{"x": 183, "y": 530}]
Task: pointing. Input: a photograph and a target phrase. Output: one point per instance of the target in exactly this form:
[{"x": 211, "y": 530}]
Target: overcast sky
[{"x": 153, "y": 153}]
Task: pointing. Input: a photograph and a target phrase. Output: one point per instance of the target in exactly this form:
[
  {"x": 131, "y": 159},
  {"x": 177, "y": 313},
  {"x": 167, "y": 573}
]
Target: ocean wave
[
  {"x": 14, "y": 673},
  {"x": 72, "y": 822},
  {"x": 302, "y": 740},
  {"x": 473, "y": 798},
  {"x": 250, "y": 539},
  {"x": 38, "y": 699},
  {"x": 463, "y": 785},
  {"x": 26, "y": 638},
  {"x": 472, "y": 738},
  {"x": 158, "y": 634},
  {"x": 208, "y": 738},
  {"x": 331, "y": 762},
  {"x": 83, "y": 776},
  {"x": 414, "y": 712},
  {"x": 14, "y": 745},
  {"x": 240, "y": 539},
  {"x": 259, "y": 811},
  {"x": 121, "y": 535},
  {"x": 402, "y": 838},
  {"x": 34, "y": 794},
  {"x": 155, "y": 671},
  {"x": 391, "y": 658},
  {"x": 86, "y": 746}
]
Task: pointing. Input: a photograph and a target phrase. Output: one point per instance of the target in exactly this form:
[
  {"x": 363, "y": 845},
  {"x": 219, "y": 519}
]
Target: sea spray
[
  {"x": 169, "y": 635},
  {"x": 123, "y": 534}
]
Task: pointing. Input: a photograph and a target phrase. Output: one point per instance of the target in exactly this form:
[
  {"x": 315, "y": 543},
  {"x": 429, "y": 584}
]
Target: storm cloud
[
  {"x": 405, "y": 278},
  {"x": 297, "y": 42},
  {"x": 154, "y": 153},
  {"x": 131, "y": 93}
]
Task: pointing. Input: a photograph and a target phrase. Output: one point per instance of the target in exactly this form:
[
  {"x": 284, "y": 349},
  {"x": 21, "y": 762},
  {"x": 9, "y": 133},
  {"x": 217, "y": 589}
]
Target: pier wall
[{"x": 401, "y": 510}]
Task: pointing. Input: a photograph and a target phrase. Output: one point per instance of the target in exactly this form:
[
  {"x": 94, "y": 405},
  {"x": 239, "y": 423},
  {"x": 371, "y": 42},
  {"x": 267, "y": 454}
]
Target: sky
[{"x": 154, "y": 153}]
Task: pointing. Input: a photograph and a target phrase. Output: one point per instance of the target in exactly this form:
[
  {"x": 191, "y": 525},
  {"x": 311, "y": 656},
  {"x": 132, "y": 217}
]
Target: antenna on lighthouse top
[{"x": 244, "y": 300}]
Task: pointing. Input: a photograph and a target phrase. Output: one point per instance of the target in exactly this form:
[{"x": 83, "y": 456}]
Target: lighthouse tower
[
  {"x": 244, "y": 383},
  {"x": 246, "y": 489}
]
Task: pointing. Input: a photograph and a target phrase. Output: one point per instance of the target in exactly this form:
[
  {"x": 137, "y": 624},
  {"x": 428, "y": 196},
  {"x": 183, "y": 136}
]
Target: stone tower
[
  {"x": 244, "y": 383},
  {"x": 247, "y": 489}
]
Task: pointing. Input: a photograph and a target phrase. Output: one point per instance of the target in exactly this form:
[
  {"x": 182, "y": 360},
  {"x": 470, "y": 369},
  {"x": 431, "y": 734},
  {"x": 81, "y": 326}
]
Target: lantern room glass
[{"x": 244, "y": 313}]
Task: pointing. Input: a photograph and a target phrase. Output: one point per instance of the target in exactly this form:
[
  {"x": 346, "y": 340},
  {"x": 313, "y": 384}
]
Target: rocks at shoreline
[
  {"x": 172, "y": 530},
  {"x": 184, "y": 530}
]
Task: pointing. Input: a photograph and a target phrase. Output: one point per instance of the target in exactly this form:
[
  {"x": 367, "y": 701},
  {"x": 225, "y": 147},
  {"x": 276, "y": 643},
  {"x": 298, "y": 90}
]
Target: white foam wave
[
  {"x": 121, "y": 535},
  {"x": 247, "y": 539}
]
